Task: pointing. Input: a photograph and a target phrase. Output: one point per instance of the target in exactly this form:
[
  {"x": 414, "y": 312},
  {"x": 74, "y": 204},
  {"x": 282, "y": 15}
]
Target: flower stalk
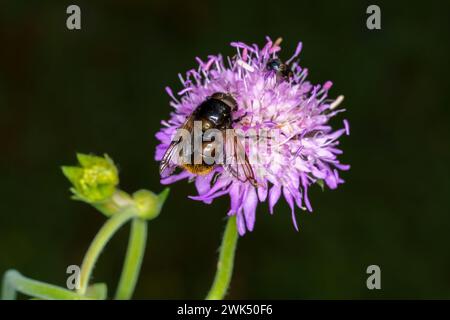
[
  {"x": 98, "y": 244},
  {"x": 226, "y": 261},
  {"x": 14, "y": 282},
  {"x": 95, "y": 182},
  {"x": 133, "y": 259}
]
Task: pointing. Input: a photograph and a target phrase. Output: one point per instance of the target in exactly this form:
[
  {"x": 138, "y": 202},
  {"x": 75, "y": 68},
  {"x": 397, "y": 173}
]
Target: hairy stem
[
  {"x": 14, "y": 282},
  {"x": 226, "y": 262},
  {"x": 101, "y": 239},
  {"x": 133, "y": 259}
]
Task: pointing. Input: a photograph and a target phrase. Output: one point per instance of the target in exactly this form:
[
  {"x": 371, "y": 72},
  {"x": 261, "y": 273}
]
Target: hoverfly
[{"x": 213, "y": 113}]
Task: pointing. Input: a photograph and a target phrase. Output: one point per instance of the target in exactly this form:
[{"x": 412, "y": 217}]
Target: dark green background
[{"x": 101, "y": 89}]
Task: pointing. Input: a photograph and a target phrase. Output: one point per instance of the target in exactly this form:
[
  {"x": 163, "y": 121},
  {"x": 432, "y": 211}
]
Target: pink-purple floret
[{"x": 308, "y": 146}]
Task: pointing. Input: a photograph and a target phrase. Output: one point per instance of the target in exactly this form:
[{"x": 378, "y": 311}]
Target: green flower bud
[
  {"x": 149, "y": 204},
  {"x": 116, "y": 203},
  {"x": 95, "y": 180}
]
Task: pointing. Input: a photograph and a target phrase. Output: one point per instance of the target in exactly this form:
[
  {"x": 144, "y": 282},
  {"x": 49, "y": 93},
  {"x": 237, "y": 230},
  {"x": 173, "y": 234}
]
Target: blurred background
[{"x": 101, "y": 90}]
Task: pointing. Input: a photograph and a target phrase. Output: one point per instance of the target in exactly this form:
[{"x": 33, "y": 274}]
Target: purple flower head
[{"x": 302, "y": 154}]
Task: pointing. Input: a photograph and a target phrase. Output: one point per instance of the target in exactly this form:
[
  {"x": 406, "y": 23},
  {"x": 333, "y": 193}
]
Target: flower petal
[
  {"x": 290, "y": 201},
  {"x": 262, "y": 193},
  {"x": 176, "y": 177},
  {"x": 221, "y": 183},
  {"x": 203, "y": 183},
  {"x": 274, "y": 195},
  {"x": 235, "y": 196},
  {"x": 250, "y": 203},
  {"x": 240, "y": 223}
]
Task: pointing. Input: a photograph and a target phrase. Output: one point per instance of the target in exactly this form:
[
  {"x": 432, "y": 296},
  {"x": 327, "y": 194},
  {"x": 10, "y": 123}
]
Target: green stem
[
  {"x": 226, "y": 261},
  {"x": 14, "y": 282},
  {"x": 133, "y": 259},
  {"x": 101, "y": 239}
]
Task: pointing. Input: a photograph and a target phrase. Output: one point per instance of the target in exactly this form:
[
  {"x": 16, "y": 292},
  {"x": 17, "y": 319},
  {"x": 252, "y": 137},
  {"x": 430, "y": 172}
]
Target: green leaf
[
  {"x": 72, "y": 173},
  {"x": 89, "y": 160}
]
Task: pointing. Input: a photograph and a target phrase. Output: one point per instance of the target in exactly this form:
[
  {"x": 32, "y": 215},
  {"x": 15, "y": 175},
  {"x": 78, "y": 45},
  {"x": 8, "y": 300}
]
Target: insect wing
[
  {"x": 236, "y": 160},
  {"x": 172, "y": 159}
]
